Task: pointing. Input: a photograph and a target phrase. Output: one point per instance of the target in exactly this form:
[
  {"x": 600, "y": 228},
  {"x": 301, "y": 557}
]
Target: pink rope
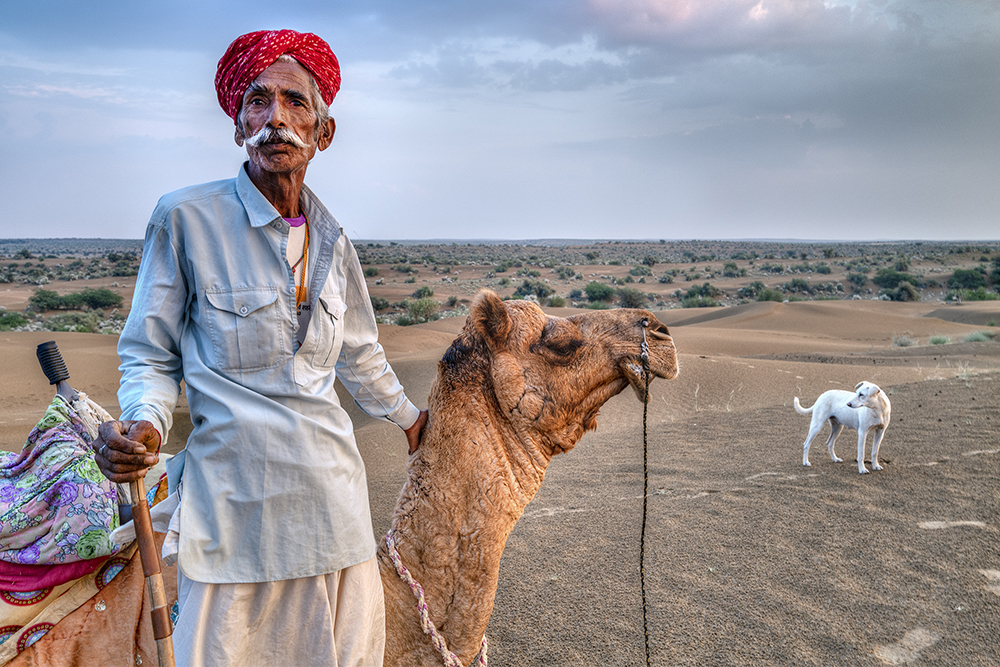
[{"x": 450, "y": 659}]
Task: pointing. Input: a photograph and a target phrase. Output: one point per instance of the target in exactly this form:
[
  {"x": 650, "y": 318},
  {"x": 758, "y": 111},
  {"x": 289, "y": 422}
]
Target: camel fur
[{"x": 516, "y": 388}]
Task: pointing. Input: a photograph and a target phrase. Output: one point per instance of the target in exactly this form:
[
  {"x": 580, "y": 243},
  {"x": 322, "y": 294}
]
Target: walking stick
[{"x": 55, "y": 370}]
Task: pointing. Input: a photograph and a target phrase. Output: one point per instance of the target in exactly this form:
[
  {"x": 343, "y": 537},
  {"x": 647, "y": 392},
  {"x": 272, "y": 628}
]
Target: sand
[{"x": 751, "y": 558}]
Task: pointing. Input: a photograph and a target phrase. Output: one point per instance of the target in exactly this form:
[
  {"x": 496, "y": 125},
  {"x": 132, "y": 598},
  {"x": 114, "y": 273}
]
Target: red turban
[{"x": 254, "y": 52}]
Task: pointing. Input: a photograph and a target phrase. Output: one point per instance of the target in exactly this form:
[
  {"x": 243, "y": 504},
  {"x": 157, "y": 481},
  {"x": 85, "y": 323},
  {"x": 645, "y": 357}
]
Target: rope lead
[{"x": 645, "y": 487}]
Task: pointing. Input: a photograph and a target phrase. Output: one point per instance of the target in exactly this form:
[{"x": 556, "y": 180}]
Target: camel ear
[{"x": 491, "y": 320}]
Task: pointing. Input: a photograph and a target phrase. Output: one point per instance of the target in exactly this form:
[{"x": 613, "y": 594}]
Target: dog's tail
[{"x": 801, "y": 410}]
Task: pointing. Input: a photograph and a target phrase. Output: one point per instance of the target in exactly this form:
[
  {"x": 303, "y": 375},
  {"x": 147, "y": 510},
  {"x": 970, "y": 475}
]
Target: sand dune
[{"x": 751, "y": 558}]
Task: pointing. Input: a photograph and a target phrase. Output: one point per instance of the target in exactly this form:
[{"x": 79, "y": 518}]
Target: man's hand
[
  {"x": 125, "y": 450},
  {"x": 414, "y": 432}
]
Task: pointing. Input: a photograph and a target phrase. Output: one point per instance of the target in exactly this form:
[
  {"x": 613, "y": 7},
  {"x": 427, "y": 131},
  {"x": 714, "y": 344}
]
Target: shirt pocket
[
  {"x": 245, "y": 328},
  {"x": 329, "y": 318}
]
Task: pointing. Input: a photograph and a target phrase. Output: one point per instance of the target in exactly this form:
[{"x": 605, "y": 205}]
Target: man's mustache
[{"x": 270, "y": 135}]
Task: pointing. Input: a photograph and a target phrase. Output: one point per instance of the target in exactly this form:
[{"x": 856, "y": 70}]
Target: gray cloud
[{"x": 556, "y": 115}]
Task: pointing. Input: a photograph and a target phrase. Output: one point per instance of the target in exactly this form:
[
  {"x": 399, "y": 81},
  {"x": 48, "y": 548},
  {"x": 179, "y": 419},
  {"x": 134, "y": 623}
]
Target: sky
[{"x": 529, "y": 119}]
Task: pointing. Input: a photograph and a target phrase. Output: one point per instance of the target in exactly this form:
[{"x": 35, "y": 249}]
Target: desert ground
[{"x": 750, "y": 557}]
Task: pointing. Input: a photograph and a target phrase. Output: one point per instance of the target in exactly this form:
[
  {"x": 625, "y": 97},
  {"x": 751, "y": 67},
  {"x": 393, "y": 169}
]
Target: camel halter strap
[
  {"x": 644, "y": 357},
  {"x": 440, "y": 645}
]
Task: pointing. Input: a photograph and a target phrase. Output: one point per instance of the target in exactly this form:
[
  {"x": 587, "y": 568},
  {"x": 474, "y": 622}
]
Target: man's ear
[
  {"x": 326, "y": 132},
  {"x": 238, "y": 135}
]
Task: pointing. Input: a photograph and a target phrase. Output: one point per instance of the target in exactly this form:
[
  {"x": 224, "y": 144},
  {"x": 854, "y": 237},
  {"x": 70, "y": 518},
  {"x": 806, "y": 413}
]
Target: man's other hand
[
  {"x": 414, "y": 432},
  {"x": 124, "y": 450}
]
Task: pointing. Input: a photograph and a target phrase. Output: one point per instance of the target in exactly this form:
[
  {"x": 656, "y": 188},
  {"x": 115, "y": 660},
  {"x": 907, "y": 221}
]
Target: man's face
[{"x": 279, "y": 99}]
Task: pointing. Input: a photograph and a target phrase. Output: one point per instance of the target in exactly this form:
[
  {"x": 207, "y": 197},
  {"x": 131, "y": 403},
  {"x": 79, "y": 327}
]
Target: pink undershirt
[{"x": 296, "y": 238}]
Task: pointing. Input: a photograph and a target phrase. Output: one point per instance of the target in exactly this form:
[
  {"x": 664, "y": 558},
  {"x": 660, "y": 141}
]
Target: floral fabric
[{"x": 55, "y": 505}]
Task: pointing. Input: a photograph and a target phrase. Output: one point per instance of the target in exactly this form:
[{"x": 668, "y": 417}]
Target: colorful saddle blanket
[{"x": 55, "y": 505}]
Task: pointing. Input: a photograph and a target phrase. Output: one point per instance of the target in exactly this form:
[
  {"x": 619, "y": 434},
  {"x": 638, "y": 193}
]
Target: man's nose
[{"x": 277, "y": 116}]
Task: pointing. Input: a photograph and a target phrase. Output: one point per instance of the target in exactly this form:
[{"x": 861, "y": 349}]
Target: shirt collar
[{"x": 261, "y": 212}]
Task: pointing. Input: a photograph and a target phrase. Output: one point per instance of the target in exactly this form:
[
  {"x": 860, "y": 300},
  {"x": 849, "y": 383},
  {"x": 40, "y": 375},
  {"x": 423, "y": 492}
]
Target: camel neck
[{"x": 462, "y": 498}]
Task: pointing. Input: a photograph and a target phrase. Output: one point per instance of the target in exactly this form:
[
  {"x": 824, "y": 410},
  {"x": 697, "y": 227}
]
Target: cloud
[{"x": 537, "y": 117}]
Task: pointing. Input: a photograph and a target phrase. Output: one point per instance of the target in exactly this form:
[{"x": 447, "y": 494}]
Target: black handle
[{"x": 52, "y": 362}]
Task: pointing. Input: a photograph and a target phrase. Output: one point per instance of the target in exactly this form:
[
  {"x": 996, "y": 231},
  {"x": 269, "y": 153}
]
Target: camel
[{"x": 516, "y": 388}]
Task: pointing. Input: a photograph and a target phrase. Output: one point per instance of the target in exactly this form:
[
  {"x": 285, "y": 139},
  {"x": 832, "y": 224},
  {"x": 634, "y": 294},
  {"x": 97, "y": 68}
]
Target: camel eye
[
  {"x": 565, "y": 348},
  {"x": 559, "y": 342}
]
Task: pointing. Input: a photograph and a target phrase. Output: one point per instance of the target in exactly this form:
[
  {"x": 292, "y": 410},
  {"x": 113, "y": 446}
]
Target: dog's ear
[{"x": 858, "y": 385}]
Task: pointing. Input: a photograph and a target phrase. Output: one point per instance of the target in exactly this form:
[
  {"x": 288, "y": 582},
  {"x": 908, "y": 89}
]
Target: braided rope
[
  {"x": 450, "y": 659},
  {"x": 645, "y": 487}
]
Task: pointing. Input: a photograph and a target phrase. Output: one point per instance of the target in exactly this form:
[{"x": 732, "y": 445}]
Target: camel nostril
[{"x": 660, "y": 331}]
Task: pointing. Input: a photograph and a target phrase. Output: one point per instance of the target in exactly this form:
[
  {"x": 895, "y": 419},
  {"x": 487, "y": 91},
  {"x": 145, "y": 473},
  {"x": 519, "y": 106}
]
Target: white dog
[{"x": 866, "y": 409}]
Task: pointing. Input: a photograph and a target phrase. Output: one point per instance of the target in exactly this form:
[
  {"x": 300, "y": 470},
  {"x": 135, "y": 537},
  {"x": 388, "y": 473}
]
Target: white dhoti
[{"x": 334, "y": 620}]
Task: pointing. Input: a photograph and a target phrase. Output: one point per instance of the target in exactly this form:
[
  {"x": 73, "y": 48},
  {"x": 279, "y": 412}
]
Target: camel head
[{"x": 549, "y": 376}]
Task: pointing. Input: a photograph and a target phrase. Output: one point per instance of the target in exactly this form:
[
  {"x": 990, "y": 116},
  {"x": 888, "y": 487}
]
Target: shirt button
[
  {"x": 244, "y": 310},
  {"x": 291, "y": 290}
]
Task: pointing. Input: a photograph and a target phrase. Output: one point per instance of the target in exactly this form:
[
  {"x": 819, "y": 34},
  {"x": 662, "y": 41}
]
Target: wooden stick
[
  {"x": 55, "y": 370},
  {"x": 150, "y": 557}
]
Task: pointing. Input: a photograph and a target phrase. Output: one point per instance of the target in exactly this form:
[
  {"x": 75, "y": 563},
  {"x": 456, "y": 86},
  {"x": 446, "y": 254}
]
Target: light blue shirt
[{"x": 274, "y": 485}]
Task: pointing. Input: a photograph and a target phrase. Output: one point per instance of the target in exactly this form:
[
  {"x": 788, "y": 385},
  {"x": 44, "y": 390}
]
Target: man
[{"x": 250, "y": 292}]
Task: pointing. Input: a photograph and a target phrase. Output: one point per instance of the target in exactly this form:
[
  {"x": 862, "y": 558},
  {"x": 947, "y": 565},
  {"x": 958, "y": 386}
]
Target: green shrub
[
  {"x": 599, "y": 291},
  {"x": 421, "y": 310},
  {"x": 979, "y": 337},
  {"x": 967, "y": 279},
  {"x": 423, "y": 292},
  {"x": 81, "y": 322},
  {"x": 903, "y": 292},
  {"x": 903, "y": 341},
  {"x": 101, "y": 298},
  {"x": 890, "y": 278},
  {"x": 43, "y": 300},
  {"x": 979, "y": 294},
  {"x": 536, "y": 287},
  {"x": 378, "y": 303},
  {"x": 371, "y": 271},
  {"x": 10, "y": 320},
  {"x": 705, "y": 290},
  {"x": 730, "y": 270},
  {"x": 699, "y": 302},
  {"x": 859, "y": 280},
  {"x": 768, "y": 294},
  {"x": 98, "y": 299},
  {"x": 939, "y": 340},
  {"x": 556, "y": 302},
  {"x": 629, "y": 297},
  {"x": 798, "y": 285}
]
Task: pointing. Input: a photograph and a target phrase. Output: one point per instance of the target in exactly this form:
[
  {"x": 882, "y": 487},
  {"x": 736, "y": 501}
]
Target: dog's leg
[
  {"x": 814, "y": 429},
  {"x": 862, "y": 434},
  {"x": 835, "y": 429},
  {"x": 876, "y": 441}
]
